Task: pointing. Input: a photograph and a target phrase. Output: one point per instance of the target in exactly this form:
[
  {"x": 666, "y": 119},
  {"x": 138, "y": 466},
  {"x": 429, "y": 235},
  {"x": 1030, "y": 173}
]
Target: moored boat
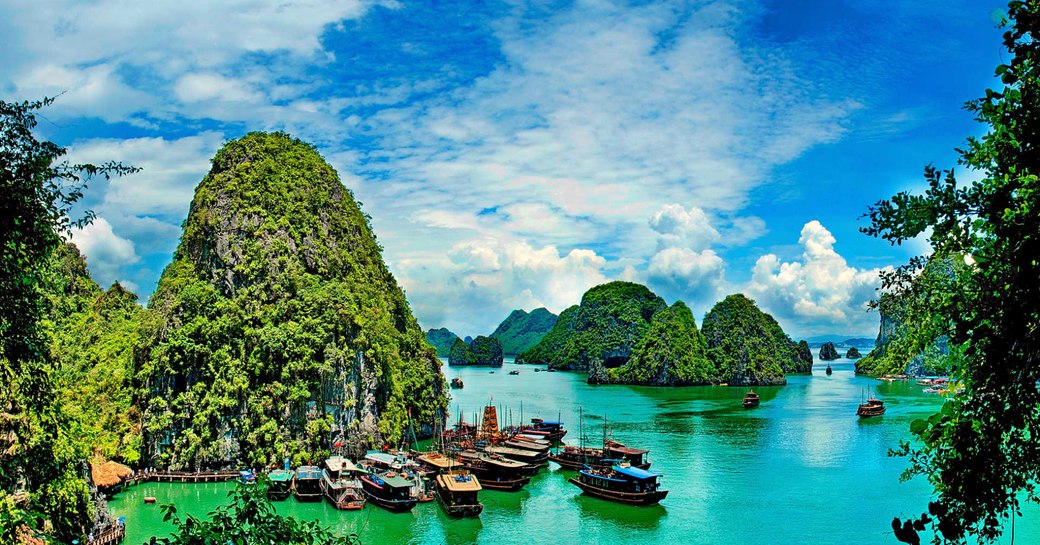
[
  {"x": 246, "y": 476},
  {"x": 514, "y": 372},
  {"x": 457, "y": 383},
  {"x": 308, "y": 483},
  {"x": 457, "y": 494},
  {"x": 546, "y": 429},
  {"x": 520, "y": 455},
  {"x": 829, "y": 370},
  {"x": 622, "y": 484},
  {"x": 341, "y": 485},
  {"x": 495, "y": 472},
  {"x": 389, "y": 490},
  {"x": 281, "y": 483},
  {"x": 873, "y": 407},
  {"x": 752, "y": 399}
]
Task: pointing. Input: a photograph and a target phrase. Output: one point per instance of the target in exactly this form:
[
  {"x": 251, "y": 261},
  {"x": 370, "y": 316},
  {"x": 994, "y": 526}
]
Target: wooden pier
[
  {"x": 109, "y": 536},
  {"x": 183, "y": 477}
]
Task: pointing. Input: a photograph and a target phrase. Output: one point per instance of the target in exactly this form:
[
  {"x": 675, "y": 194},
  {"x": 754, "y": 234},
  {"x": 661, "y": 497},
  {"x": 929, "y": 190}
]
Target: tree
[
  {"x": 37, "y": 192},
  {"x": 981, "y": 452},
  {"x": 249, "y": 519}
]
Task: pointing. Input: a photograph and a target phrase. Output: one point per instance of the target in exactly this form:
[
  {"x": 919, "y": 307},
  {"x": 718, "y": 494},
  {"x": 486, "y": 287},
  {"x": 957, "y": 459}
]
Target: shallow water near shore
[{"x": 800, "y": 468}]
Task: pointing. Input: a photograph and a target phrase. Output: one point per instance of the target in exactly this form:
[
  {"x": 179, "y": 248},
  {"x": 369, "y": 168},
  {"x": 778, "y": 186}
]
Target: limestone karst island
[{"x": 717, "y": 272}]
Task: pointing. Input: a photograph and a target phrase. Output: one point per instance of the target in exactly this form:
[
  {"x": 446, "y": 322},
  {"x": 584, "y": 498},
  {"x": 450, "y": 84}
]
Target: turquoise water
[{"x": 801, "y": 468}]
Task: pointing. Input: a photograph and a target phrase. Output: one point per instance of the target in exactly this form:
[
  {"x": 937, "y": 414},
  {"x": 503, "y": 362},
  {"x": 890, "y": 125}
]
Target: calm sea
[{"x": 801, "y": 468}]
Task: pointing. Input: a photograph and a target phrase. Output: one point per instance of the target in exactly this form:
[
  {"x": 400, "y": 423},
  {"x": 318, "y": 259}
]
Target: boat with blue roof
[
  {"x": 281, "y": 483},
  {"x": 389, "y": 490},
  {"x": 308, "y": 483},
  {"x": 622, "y": 484}
]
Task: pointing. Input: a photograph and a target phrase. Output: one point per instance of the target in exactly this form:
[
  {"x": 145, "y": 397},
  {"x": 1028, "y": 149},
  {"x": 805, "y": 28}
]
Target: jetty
[{"x": 182, "y": 477}]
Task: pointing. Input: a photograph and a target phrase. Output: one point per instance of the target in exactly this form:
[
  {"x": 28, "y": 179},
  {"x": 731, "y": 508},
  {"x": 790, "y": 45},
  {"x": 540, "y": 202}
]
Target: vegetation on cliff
[
  {"x": 604, "y": 329},
  {"x": 521, "y": 330},
  {"x": 747, "y": 346},
  {"x": 671, "y": 353},
  {"x": 482, "y": 351},
  {"x": 441, "y": 340},
  {"x": 279, "y": 327}
]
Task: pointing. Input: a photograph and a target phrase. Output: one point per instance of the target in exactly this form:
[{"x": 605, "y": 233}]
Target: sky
[{"x": 514, "y": 154}]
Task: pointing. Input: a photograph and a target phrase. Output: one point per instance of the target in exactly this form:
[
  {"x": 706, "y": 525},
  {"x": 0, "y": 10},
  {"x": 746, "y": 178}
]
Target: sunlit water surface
[{"x": 801, "y": 468}]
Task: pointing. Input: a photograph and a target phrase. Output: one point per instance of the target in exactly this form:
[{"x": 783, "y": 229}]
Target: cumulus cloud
[
  {"x": 107, "y": 253},
  {"x": 480, "y": 281},
  {"x": 820, "y": 292},
  {"x": 681, "y": 273}
]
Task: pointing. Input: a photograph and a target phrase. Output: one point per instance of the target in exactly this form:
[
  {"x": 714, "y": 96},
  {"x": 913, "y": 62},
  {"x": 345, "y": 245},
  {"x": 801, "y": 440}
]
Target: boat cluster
[{"x": 466, "y": 460}]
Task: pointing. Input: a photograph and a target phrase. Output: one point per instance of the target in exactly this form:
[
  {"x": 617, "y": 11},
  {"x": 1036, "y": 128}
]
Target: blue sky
[{"x": 512, "y": 155}]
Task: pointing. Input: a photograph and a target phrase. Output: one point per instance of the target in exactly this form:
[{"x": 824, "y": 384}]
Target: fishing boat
[
  {"x": 622, "y": 484},
  {"x": 873, "y": 407},
  {"x": 457, "y": 494},
  {"x": 457, "y": 383},
  {"x": 389, "y": 490},
  {"x": 751, "y": 400},
  {"x": 829, "y": 370},
  {"x": 495, "y": 472},
  {"x": 341, "y": 485},
  {"x": 525, "y": 456},
  {"x": 635, "y": 457},
  {"x": 514, "y": 372},
  {"x": 437, "y": 463},
  {"x": 553, "y": 431},
  {"x": 308, "y": 483},
  {"x": 281, "y": 483},
  {"x": 520, "y": 443},
  {"x": 612, "y": 452}
]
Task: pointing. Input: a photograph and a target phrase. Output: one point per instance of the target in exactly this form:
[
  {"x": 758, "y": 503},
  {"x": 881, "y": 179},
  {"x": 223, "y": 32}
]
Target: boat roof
[
  {"x": 636, "y": 473},
  {"x": 540, "y": 440},
  {"x": 382, "y": 457},
  {"x": 510, "y": 450},
  {"x": 459, "y": 483},
  {"x": 281, "y": 475},
  {"x": 439, "y": 460},
  {"x": 396, "y": 481},
  {"x": 308, "y": 472},
  {"x": 627, "y": 450},
  {"x": 339, "y": 463},
  {"x": 546, "y": 422}
]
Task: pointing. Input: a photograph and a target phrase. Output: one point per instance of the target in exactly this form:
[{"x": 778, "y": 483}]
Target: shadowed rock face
[
  {"x": 481, "y": 351},
  {"x": 828, "y": 352},
  {"x": 279, "y": 324}
]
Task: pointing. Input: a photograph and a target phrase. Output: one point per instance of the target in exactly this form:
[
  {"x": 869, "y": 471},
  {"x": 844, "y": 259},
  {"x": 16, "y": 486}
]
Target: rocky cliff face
[
  {"x": 281, "y": 329},
  {"x": 522, "y": 330},
  {"x": 853, "y": 353},
  {"x": 482, "y": 351},
  {"x": 890, "y": 357},
  {"x": 747, "y": 346},
  {"x": 828, "y": 352}
]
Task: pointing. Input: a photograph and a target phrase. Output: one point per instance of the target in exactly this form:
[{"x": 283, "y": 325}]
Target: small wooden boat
[
  {"x": 873, "y": 407},
  {"x": 436, "y": 462},
  {"x": 520, "y": 455},
  {"x": 457, "y": 494},
  {"x": 829, "y": 370},
  {"x": 389, "y": 490},
  {"x": 622, "y": 484},
  {"x": 281, "y": 483},
  {"x": 340, "y": 484},
  {"x": 457, "y": 383},
  {"x": 751, "y": 399},
  {"x": 552, "y": 431},
  {"x": 308, "y": 483},
  {"x": 496, "y": 473},
  {"x": 514, "y": 372},
  {"x": 149, "y": 499}
]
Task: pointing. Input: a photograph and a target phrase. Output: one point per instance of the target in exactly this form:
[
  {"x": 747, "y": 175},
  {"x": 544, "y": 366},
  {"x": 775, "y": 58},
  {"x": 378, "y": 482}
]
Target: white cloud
[
  {"x": 107, "y": 253},
  {"x": 681, "y": 273},
  {"x": 820, "y": 293},
  {"x": 687, "y": 228},
  {"x": 208, "y": 86}
]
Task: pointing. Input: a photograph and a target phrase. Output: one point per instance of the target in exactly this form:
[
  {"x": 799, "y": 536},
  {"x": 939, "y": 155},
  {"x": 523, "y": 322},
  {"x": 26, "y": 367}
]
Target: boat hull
[
  {"x": 629, "y": 498},
  {"x": 397, "y": 506},
  {"x": 568, "y": 463},
  {"x": 503, "y": 484},
  {"x": 308, "y": 490},
  {"x": 460, "y": 511}
]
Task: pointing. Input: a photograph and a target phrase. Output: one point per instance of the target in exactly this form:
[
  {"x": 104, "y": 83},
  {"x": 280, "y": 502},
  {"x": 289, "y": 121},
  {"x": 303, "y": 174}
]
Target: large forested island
[
  {"x": 521, "y": 330},
  {"x": 276, "y": 327},
  {"x": 624, "y": 333}
]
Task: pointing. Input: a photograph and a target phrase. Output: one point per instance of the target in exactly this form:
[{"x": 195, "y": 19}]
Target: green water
[{"x": 801, "y": 468}]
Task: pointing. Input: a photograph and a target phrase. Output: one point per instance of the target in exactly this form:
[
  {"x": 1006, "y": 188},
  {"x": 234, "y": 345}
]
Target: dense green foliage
[
  {"x": 37, "y": 457},
  {"x": 522, "y": 330},
  {"x": 279, "y": 328},
  {"x": 604, "y": 328},
  {"x": 981, "y": 451},
  {"x": 482, "y": 351},
  {"x": 95, "y": 338},
  {"x": 441, "y": 340},
  {"x": 248, "y": 518},
  {"x": 747, "y": 346},
  {"x": 671, "y": 353},
  {"x": 828, "y": 352},
  {"x": 805, "y": 353}
]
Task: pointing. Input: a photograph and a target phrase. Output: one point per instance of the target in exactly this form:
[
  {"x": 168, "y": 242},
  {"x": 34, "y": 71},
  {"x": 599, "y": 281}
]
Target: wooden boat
[
  {"x": 514, "y": 372},
  {"x": 495, "y": 472},
  {"x": 751, "y": 399},
  {"x": 281, "y": 483},
  {"x": 457, "y": 383},
  {"x": 341, "y": 485},
  {"x": 401, "y": 464},
  {"x": 829, "y": 370},
  {"x": 389, "y": 490},
  {"x": 149, "y": 499},
  {"x": 622, "y": 484},
  {"x": 457, "y": 494},
  {"x": 246, "y": 476},
  {"x": 873, "y": 407},
  {"x": 520, "y": 455},
  {"x": 437, "y": 463},
  {"x": 308, "y": 483},
  {"x": 635, "y": 457},
  {"x": 553, "y": 431},
  {"x": 527, "y": 445}
]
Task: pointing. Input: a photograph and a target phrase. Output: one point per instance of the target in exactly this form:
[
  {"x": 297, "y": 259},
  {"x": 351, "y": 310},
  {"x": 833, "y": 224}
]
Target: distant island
[
  {"x": 441, "y": 339},
  {"x": 623, "y": 333},
  {"x": 481, "y": 351},
  {"x": 521, "y": 330}
]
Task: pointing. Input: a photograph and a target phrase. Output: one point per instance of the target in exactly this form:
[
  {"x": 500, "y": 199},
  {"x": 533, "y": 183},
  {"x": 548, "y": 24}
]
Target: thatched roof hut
[{"x": 109, "y": 474}]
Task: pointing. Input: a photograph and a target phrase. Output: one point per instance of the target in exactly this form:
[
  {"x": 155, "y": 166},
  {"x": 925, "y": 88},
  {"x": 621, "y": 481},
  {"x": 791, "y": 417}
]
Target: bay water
[{"x": 800, "y": 468}]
